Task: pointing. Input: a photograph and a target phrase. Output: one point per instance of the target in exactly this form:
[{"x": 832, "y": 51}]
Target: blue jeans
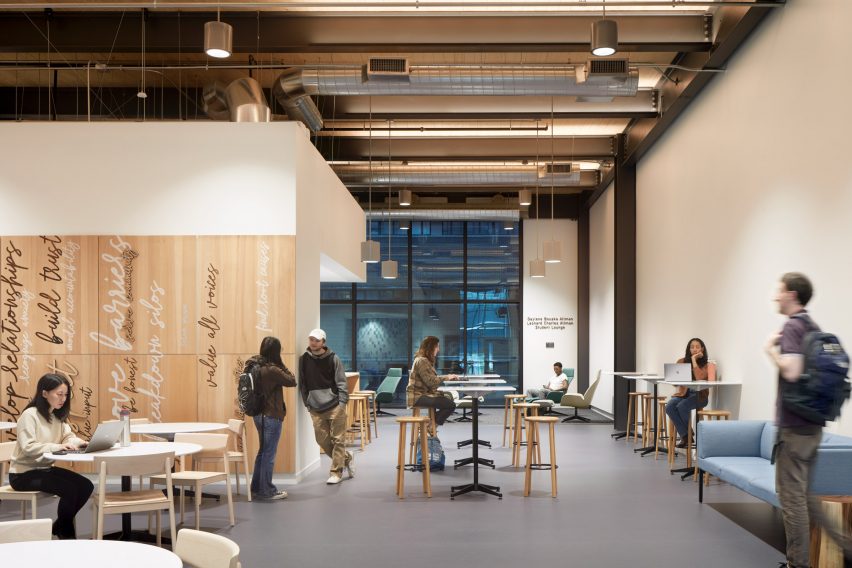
[
  {"x": 680, "y": 411},
  {"x": 268, "y": 433}
]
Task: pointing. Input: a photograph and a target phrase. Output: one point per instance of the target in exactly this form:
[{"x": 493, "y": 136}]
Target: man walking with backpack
[
  {"x": 322, "y": 383},
  {"x": 799, "y": 432}
]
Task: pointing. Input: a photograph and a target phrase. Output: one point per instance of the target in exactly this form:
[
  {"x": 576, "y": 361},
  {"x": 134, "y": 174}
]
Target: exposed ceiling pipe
[
  {"x": 420, "y": 4},
  {"x": 447, "y": 80},
  {"x": 448, "y": 214},
  {"x": 497, "y": 175},
  {"x": 241, "y": 101},
  {"x": 289, "y": 90}
]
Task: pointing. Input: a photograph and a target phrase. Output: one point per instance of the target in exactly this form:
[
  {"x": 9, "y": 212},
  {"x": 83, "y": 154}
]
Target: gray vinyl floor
[{"x": 614, "y": 509}]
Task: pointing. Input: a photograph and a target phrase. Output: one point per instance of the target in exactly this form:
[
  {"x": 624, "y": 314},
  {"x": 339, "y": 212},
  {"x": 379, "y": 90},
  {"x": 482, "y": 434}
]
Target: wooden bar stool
[
  {"x": 420, "y": 425},
  {"x": 355, "y": 410},
  {"x": 433, "y": 428},
  {"x": 710, "y": 415},
  {"x": 533, "y": 439},
  {"x": 634, "y": 405},
  {"x": 520, "y": 409},
  {"x": 509, "y": 401},
  {"x": 662, "y": 429},
  {"x": 371, "y": 405},
  {"x": 648, "y": 419}
]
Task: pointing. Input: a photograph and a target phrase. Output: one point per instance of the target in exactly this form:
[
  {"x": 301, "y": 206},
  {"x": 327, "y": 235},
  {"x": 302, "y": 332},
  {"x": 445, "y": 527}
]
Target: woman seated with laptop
[
  {"x": 679, "y": 408},
  {"x": 43, "y": 428}
]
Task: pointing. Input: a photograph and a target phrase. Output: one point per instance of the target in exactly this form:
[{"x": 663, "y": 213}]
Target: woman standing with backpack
[{"x": 273, "y": 375}]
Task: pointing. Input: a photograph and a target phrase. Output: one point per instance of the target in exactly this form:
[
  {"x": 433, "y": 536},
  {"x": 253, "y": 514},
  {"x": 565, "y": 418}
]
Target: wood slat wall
[{"x": 160, "y": 324}]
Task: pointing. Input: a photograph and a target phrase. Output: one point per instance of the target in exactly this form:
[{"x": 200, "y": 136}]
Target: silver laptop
[
  {"x": 678, "y": 372},
  {"x": 105, "y": 437}
]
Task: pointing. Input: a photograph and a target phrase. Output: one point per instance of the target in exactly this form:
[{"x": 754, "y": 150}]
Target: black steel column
[
  {"x": 625, "y": 281},
  {"x": 583, "y": 292}
]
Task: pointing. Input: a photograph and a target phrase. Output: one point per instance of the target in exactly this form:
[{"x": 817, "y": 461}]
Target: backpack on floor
[
  {"x": 251, "y": 400},
  {"x": 437, "y": 459},
  {"x": 823, "y": 387}
]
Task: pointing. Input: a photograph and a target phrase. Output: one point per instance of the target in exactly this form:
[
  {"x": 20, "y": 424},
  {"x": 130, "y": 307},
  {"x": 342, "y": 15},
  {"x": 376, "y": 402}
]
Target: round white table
[
  {"x": 87, "y": 554},
  {"x": 172, "y": 428},
  {"x": 134, "y": 449},
  {"x": 8, "y": 425}
]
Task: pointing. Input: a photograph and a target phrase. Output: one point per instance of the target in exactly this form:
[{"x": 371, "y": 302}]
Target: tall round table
[
  {"x": 87, "y": 554},
  {"x": 169, "y": 429},
  {"x": 134, "y": 449}
]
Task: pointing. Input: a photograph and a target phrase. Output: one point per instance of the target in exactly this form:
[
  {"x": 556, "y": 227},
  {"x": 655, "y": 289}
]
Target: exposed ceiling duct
[
  {"x": 394, "y": 77},
  {"x": 496, "y": 215},
  {"x": 492, "y": 175},
  {"x": 241, "y": 101}
]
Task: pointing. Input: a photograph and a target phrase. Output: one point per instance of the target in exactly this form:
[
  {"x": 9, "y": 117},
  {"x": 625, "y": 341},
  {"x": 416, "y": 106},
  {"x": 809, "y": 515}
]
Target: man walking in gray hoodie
[{"x": 322, "y": 383}]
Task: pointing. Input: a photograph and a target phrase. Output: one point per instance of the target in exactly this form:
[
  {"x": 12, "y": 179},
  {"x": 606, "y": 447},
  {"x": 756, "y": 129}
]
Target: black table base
[{"x": 476, "y": 461}]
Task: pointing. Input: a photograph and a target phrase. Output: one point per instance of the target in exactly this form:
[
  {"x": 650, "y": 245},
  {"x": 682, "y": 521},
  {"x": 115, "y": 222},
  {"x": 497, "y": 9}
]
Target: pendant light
[
  {"x": 404, "y": 197},
  {"x": 508, "y": 225},
  {"x": 390, "y": 268},
  {"x": 218, "y": 38},
  {"x": 405, "y": 225},
  {"x": 552, "y": 248},
  {"x": 604, "y": 36},
  {"x": 537, "y": 266},
  {"x": 370, "y": 252},
  {"x": 524, "y": 197}
]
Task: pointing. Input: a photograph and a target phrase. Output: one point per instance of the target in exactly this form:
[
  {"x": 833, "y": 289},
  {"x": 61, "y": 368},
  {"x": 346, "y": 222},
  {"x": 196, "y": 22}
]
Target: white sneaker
[
  {"x": 334, "y": 480},
  {"x": 350, "y": 465},
  {"x": 280, "y": 495}
]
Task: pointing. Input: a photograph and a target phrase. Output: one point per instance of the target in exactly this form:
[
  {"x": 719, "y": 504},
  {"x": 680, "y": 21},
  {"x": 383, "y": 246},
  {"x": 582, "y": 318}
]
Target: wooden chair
[
  {"x": 206, "y": 550},
  {"x": 521, "y": 409},
  {"x": 214, "y": 447},
  {"x": 634, "y": 409},
  {"x": 104, "y": 503},
  {"x": 431, "y": 431},
  {"x": 371, "y": 407},
  {"x": 533, "y": 444},
  {"x": 239, "y": 454},
  {"x": 509, "y": 401},
  {"x": 20, "y": 531},
  {"x": 9, "y": 494},
  {"x": 420, "y": 426}
]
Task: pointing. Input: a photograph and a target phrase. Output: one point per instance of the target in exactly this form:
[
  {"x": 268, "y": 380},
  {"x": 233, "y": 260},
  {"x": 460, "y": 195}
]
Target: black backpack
[
  {"x": 251, "y": 400},
  {"x": 824, "y": 386}
]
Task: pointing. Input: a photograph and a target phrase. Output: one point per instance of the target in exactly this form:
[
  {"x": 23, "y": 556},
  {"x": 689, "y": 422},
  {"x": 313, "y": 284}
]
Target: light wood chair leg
[
  {"x": 400, "y": 460},
  {"x": 230, "y": 501},
  {"x": 159, "y": 524},
  {"x": 528, "y": 468},
  {"x": 516, "y": 442},
  {"x": 552, "y": 434},
  {"x": 424, "y": 451},
  {"x": 172, "y": 523},
  {"x": 197, "y": 507},
  {"x": 505, "y": 419},
  {"x": 415, "y": 411}
]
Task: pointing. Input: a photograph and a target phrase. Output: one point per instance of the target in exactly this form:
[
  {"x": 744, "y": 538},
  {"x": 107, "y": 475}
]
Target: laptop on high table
[
  {"x": 104, "y": 438},
  {"x": 677, "y": 372}
]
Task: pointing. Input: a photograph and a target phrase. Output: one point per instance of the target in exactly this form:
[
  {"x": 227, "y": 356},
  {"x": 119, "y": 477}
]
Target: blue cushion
[
  {"x": 729, "y": 437},
  {"x": 835, "y": 440},
  {"x": 711, "y": 465},
  {"x": 764, "y": 488},
  {"x": 740, "y": 471},
  {"x": 831, "y": 475},
  {"x": 767, "y": 440}
]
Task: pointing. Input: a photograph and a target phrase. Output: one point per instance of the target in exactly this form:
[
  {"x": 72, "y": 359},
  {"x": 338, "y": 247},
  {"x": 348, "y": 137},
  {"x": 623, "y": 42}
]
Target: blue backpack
[
  {"x": 437, "y": 459},
  {"x": 824, "y": 386}
]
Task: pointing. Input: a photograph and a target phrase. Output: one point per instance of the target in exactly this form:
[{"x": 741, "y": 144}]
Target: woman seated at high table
[
  {"x": 43, "y": 428},
  {"x": 423, "y": 382},
  {"x": 679, "y": 408}
]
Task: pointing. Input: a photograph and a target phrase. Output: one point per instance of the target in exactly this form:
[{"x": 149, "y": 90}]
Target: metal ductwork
[
  {"x": 294, "y": 87},
  {"x": 497, "y": 215},
  {"x": 289, "y": 90},
  {"x": 241, "y": 101},
  {"x": 413, "y": 175}
]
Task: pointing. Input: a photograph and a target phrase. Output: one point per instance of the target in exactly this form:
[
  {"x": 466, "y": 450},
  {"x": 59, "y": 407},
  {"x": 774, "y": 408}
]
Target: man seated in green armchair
[{"x": 558, "y": 382}]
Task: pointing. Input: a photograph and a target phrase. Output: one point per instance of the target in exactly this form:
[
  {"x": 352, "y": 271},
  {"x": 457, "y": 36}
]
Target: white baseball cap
[{"x": 317, "y": 334}]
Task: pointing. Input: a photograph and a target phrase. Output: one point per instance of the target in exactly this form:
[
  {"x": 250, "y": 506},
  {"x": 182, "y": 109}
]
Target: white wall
[
  {"x": 602, "y": 296},
  {"x": 753, "y": 181},
  {"x": 200, "y": 178},
  {"x": 552, "y": 296}
]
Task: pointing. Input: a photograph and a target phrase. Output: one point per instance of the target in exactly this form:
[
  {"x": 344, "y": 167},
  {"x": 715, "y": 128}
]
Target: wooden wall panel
[{"x": 162, "y": 325}]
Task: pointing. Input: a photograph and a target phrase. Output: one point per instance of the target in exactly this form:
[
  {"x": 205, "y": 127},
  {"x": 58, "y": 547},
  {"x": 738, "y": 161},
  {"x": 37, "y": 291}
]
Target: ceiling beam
[
  {"x": 264, "y": 32},
  {"x": 735, "y": 26}
]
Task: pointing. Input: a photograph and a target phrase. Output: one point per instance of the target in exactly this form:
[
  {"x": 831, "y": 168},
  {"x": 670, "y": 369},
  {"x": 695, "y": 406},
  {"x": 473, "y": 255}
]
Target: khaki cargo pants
[{"x": 330, "y": 431}]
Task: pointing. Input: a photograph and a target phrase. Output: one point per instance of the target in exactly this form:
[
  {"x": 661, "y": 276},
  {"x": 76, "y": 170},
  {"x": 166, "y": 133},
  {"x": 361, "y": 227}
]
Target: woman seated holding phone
[{"x": 679, "y": 408}]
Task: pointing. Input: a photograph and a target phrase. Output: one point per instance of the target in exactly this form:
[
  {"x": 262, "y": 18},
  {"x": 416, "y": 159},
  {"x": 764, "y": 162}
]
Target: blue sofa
[{"x": 739, "y": 451}]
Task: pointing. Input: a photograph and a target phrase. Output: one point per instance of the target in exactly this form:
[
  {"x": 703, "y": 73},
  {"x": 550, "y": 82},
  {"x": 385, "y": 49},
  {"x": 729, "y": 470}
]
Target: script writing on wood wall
[{"x": 161, "y": 325}]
